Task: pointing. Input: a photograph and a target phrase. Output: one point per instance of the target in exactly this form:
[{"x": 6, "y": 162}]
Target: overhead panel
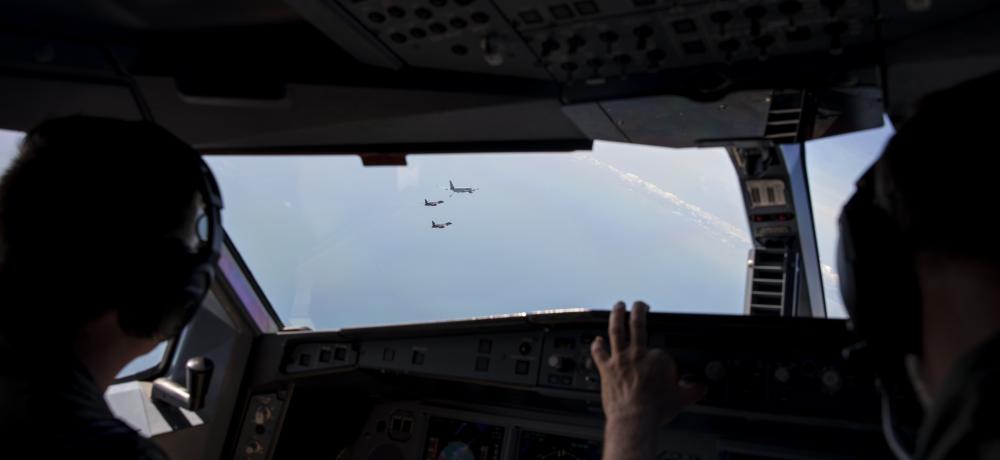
[
  {"x": 463, "y": 35},
  {"x": 588, "y": 41},
  {"x": 591, "y": 40}
]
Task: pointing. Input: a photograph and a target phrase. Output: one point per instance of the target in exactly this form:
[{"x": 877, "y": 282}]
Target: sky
[
  {"x": 833, "y": 165},
  {"x": 335, "y": 244}
]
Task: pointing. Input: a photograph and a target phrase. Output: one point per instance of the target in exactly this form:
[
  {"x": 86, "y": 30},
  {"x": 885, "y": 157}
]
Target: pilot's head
[
  {"x": 921, "y": 275},
  {"x": 93, "y": 212}
]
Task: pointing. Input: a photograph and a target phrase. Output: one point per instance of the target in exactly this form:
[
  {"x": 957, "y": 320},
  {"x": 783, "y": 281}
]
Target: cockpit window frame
[{"x": 153, "y": 372}]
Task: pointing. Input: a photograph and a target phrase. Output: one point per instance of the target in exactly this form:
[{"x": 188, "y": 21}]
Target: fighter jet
[
  {"x": 437, "y": 225},
  {"x": 455, "y": 190},
  {"x": 432, "y": 203}
]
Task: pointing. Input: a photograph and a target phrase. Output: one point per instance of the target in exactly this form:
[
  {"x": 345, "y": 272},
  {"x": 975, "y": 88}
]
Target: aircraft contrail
[{"x": 704, "y": 218}]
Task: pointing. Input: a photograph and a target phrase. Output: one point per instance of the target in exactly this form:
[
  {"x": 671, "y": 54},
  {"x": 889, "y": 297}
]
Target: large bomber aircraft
[{"x": 389, "y": 81}]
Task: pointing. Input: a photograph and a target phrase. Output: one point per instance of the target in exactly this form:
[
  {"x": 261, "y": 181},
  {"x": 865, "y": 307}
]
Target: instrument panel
[
  {"x": 524, "y": 387},
  {"x": 486, "y": 433},
  {"x": 749, "y": 365},
  {"x": 586, "y": 42},
  {"x": 439, "y": 430}
]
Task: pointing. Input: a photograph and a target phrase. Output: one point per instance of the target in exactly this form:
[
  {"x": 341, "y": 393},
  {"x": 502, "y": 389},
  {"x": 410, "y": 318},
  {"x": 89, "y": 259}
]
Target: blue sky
[
  {"x": 335, "y": 244},
  {"x": 834, "y": 164}
]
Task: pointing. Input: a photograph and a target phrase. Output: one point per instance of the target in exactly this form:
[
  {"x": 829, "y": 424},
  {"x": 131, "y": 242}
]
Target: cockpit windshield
[{"x": 336, "y": 244}]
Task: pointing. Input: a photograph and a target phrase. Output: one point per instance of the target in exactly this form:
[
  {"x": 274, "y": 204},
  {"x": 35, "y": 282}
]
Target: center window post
[{"x": 811, "y": 301}]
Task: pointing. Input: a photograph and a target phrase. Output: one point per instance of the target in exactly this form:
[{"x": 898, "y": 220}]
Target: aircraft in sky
[
  {"x": 437, "y": 225},
  {"x": 454, "y": 190},
  {"x": 432, "y": 203}
]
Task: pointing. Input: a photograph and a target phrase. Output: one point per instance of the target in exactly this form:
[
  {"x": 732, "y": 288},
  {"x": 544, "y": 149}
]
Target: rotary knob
[{"x": 561, "y": 363}]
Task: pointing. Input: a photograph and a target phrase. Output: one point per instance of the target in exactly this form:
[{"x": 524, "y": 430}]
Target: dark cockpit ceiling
[{"x": 307, "y": 75}]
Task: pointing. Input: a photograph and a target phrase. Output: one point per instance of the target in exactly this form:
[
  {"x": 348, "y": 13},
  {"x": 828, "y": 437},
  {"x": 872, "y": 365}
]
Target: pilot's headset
[
  {"x": 177, "y": 279},
  {"x": 879, "y": 285}
]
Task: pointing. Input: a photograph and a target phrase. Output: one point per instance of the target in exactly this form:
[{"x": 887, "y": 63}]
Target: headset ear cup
[
  {"x": 162, "y": 298},
  {"x": 198, "y": 285},
  {"x": 878, "y": 282},
  {"x": 880, "y": 290}
]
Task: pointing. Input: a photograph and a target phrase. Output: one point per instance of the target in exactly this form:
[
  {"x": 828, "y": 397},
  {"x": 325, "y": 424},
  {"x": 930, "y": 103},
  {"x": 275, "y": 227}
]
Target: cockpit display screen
[
  {"x": 449, "y": 439},
  {"x": 544, "y": 446}
]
